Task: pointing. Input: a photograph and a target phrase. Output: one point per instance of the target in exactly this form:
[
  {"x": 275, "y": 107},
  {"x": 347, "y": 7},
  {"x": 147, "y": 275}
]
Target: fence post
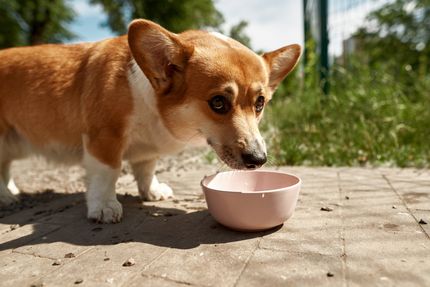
[{"x": 324, "y": 63}]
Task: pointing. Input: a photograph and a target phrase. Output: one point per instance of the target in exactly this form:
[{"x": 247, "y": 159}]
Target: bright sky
[{"x": 272, "y": 23}]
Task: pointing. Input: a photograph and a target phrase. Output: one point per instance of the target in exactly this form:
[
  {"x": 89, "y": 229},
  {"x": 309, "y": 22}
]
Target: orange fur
[{"x": 56, "y": 93}]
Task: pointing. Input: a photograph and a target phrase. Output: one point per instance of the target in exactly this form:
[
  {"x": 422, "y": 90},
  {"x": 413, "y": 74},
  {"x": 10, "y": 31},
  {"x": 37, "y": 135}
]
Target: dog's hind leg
[
  {"x": 5, "y": 173},
  {"x": 149, "y": 187},
  {"x": 8, "y": 189}
]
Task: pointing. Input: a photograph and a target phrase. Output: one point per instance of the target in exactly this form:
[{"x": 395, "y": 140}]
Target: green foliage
[
  {"x": 238, "y": 33},
  {"x": 34, "y": 22},
  {"x": 175, "y": 16},
  {"x": 377, "y": 112},
  {"x": 367, "y": 118},
  {"x": 401, "y": 36}
]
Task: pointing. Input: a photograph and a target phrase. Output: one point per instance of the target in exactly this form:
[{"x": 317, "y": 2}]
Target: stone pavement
[{"x": 371, "y": 235}]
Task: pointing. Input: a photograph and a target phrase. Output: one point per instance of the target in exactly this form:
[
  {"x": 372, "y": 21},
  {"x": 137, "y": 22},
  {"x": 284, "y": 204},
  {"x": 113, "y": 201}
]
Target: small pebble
[
  {"x": 56, "y": 262},
  {"x": 129, "y": 262},
  {"x": 13, "y": 227},
  {"x": 106, "y": 259},
  {"x": 394, "y": 207},
  {"x": 329, "y": 274},
  {"x": 69, "y": 255},
  {"x": 326, "y": 208},
  {"x": 346, "y": 197},
  {"x": 79, "y": 281},
  {"x": 422, "y": 221}
]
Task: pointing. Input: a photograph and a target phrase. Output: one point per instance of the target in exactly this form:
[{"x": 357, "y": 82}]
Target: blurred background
[{"x": 361, "y": 95}]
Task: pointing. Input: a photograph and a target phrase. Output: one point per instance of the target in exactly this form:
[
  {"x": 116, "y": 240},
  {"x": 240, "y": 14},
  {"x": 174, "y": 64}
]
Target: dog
[{"x": 136, "y": 98}]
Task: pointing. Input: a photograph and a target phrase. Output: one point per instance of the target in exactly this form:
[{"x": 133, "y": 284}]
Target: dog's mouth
[{"x": 239, "y": 160}]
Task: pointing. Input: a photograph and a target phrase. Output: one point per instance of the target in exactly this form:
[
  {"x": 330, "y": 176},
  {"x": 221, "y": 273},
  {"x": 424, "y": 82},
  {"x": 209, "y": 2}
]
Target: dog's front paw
[
  {"x": 107, "y": 212},
  {"x": 7, "y": 198},
  {"x": 158, "y": 192}
]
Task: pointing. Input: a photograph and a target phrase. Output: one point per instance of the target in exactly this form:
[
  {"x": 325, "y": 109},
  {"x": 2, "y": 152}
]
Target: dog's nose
[{"x": 254, "y": 160}]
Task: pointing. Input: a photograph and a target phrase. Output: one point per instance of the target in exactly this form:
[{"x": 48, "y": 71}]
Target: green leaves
[
  {"x": 369, "y": 118},
  {"x": 34, "y": 22},
  {"x": 175, "y": 16}
]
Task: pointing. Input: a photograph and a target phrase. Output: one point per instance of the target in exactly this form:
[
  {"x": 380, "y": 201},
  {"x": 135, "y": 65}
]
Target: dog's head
[{"x": 210, "y": 86}]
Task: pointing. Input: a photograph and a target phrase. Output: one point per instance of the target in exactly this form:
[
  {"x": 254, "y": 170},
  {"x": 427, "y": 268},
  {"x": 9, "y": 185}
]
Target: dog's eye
[
  {"x": 219, "y": 104},
  {"x": 259, "y": 104}
]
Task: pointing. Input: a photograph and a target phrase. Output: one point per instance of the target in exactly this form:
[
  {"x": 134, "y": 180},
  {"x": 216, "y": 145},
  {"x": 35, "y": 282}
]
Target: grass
[{"x": 369, "y": 118}]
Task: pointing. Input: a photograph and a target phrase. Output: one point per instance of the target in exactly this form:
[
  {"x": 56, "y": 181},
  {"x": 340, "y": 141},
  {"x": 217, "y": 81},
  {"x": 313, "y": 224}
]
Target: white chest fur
[{"x": 149, "y": 137}]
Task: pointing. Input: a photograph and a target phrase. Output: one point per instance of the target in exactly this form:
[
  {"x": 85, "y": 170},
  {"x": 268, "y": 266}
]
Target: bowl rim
[{"x": 282, "y": 189}]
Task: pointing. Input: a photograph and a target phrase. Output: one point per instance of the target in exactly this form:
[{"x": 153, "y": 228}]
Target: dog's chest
[{"x": 149, "y": 138}]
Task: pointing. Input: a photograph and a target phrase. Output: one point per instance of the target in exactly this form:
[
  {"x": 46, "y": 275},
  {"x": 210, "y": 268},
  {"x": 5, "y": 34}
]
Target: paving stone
[
  {"x": 215, "y": 260},
  {"x": 424, "y": 215},
  {"x": 22, "y": 270},
  {"x": 363, "y": 241},
  {"x": 414, "y": 192},
  {"x": 269, "y": 268},
  {"x": 42, "y": 212},
  {"x": 103, "y": 265},
  {"x": 206, "y": 265},
  {"x": 319, "y": 235},
  {"x": 22, "y": 236},
  {"x": 154, "y": 281},
  {"x": 407, "y": 269}
]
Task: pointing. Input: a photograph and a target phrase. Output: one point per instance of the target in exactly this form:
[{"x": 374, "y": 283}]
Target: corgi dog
[{"x": 136, "y": 98}]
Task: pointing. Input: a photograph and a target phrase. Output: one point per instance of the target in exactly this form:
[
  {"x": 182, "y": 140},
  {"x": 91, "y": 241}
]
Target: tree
[
  {"x": 34, "y": 22},
  {"x": 398, "y": 34},
  {"x": 175, "y": 16},
  {"x": 238, "y": 33}
]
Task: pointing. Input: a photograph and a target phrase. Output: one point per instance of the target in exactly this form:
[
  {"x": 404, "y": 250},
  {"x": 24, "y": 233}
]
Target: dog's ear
[
  {"x": 159, "y": 53},
  {"x": 281, "y": 62}
]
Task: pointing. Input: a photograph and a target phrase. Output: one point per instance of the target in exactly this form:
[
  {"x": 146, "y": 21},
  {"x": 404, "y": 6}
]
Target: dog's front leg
[
  {"x": 102, "y": 203},
  {"x": 149, "y": 187}
]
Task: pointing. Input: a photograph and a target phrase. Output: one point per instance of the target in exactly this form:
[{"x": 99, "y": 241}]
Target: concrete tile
[
  {"x": 382, "y": 232},
  {"x": 312, "y": 233},
  {"x": 21, "y": 236},
  {"x": 53, "y": 209},
  {"x": 424, "y": 215},
  {"x": 216, "y": 259},
  {"x": 22, "y": 270},
  {"x": 80, "y": 235},
  {"x": 154, "y": 281},
  {"x": 103, "y": 265},
  {"x": 279, "y": 268},
  {"x": 415, "y": 193},
  {"x": 177, "y": 243},
  {"x": 405, "y": 270},
  {"x": 205, "y": 265}
]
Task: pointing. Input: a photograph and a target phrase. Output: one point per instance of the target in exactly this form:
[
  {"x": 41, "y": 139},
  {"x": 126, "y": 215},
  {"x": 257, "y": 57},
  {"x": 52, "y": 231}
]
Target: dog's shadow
[{"x": 64, "y": 220}]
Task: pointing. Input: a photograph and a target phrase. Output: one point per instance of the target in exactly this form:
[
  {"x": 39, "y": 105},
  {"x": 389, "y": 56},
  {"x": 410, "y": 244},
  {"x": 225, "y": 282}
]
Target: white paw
[
  {"x": 105, "y": 212},
  {"x": 7, "y": 198},
  {"x": 12, "y": 187},
  {"x": 157, "y": 192}
]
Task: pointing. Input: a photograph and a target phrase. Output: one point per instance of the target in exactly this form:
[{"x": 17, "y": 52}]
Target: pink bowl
[{"x": 251, "y": 200}]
